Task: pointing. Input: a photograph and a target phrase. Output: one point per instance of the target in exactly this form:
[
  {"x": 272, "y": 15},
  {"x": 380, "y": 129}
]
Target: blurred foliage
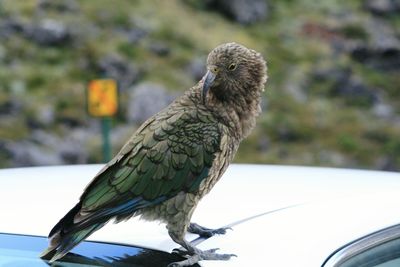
[{"x": 306, "y": 120}]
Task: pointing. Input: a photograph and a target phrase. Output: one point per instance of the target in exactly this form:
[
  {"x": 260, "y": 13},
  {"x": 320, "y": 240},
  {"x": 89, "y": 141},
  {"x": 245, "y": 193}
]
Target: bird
[{"x": 174, "y": 158}]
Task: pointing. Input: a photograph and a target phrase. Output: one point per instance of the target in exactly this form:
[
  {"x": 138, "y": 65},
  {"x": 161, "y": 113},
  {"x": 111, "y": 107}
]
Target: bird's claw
[
  {"x": 199, "y": 255},
  {"x": 194, "y": 228},
  {"x": 220, "y": 231},
  {"x": 213, "y": 250},
  {"x": 180, "y": 251}
]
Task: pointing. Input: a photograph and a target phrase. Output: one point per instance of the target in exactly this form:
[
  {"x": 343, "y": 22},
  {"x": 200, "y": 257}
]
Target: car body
[{"x": 279, "y": 215}]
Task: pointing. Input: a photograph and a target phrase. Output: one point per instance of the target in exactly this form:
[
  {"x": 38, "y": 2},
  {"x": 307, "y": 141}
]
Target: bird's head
[{"x": 233, "y": 71}]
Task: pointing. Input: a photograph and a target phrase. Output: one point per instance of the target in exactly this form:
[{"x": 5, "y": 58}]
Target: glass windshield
[
  {"x": 23, "y": 251},
  {"x": 379, "y": 249},
  {"x": 383, "y": 255}
]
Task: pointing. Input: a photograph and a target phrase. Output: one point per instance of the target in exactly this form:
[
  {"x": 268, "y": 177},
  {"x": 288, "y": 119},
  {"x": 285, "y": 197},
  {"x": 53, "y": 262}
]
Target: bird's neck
[
  {"x": 241, "y": 111},
  {"x": 237, "y": 112}
]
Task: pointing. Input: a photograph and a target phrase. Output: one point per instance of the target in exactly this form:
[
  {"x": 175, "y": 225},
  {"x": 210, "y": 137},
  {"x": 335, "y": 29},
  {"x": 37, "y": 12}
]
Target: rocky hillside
[{"x": 333, "y": 96}]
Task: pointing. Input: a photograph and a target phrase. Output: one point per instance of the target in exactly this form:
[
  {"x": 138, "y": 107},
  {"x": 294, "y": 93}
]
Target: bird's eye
[{"x": 232, "y": 67}]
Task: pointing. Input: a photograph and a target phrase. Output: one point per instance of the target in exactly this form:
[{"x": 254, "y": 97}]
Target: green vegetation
[{"x": 308, "y": 120}]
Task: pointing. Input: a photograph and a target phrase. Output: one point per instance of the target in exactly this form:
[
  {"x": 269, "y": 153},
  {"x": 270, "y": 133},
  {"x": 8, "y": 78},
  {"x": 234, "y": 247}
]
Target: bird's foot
[
  {"x": 199, "y": 255},
  {"x": 194, "y": 228},
  {"x": 181, "y": 251}
]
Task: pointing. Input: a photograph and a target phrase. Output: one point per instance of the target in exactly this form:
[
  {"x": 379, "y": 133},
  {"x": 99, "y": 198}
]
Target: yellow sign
[{"x": 102, "y": 97}]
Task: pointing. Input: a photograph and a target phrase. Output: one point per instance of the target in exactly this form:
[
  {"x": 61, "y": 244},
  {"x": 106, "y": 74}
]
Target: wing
[{"x": 169, "y": 154}]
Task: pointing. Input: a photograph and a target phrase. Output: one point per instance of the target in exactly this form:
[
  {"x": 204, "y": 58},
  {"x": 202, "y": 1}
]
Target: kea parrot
[{"x": 174, "y": 158}]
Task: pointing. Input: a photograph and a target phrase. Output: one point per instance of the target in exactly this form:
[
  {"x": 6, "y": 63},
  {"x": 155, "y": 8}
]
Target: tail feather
[
  {"x": 73, "y": 229},
  {"x": 66, "y": 234},
  {"x": 47, "y": 251},
  {"x": 73, "y": 240},
  {"x": 67, "y": 221}
]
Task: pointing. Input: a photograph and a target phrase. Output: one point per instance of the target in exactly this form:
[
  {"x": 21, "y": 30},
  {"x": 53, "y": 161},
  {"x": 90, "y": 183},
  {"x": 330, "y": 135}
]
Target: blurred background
[{"x": 332, "y": 98}]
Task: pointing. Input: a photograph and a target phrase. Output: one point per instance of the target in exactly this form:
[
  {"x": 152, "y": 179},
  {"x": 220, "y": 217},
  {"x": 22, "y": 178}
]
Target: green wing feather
[{"x": 167, "y": 155}]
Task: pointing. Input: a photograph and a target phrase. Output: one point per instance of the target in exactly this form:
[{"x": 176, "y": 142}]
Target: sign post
[{"x": 102, "y": 96}]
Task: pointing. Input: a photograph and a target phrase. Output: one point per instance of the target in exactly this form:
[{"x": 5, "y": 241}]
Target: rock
[
  {"x": 334, "y": 158},
  {"x": 59, "y": 6},
  {"x": 241, "y": 11},
  {"x": 119, "y": 69},
  {"x": 348, "y": 86},
  {"x": 120, "y": 134},
  {"x": 382, "y": 7},
  {"x": 387, "y": 163},
  {"x": 197, "y": 68},
  {"x": 159, "y": 48},
  {"x": 295, "y": 84},
  {"x": 11, "y": 106},
  {"x": 48, "y": 32},
  {"x": 43, "y": 148},
  {"x": 139, "y": 28},
  {"x": 385, "y": 59},
  {"x": 45, "y": 115},
  {"x": 18, "y": 87},
  {"x": 5, "y": 155},
  {"x": 263, "y": 144},
  {"x": 287, "y": 134},
  {"x": 383, "y": 110},
  {"x": 382, "y": 52},
  {"x": 9, "y": 27},
  {"x": 25, "y": 153},
  {"x": 145, "y": 100},
  {"x": 3, "y": 53},
  {"x": 296, "y": 91},
  {"x": 44, "y": 138},
  {"x": 72, "y": 148},
  {"x": 136, "y": 34},
  {"x": 354, "y": 90}
]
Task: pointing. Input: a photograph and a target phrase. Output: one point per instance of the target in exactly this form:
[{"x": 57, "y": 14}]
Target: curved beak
[{"x": 208, "y": 80}]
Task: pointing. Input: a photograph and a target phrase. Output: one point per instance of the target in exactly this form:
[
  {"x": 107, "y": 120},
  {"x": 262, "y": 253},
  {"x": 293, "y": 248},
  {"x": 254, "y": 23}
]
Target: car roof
[{"x": 317, "y": 210}]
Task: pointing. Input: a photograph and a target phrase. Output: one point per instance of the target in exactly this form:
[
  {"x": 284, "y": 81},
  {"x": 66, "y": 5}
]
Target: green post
[{"x": 105, "y": 129}]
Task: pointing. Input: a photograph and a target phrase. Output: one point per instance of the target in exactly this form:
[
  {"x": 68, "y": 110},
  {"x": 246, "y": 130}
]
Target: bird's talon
[
  {"x": 213, "y": 250},
  {"x": 203, "y": 255},
  {"x": 206, "y": 232},
  {"x": 180, "y": 251},
  {"x": 211, "y": 255}
]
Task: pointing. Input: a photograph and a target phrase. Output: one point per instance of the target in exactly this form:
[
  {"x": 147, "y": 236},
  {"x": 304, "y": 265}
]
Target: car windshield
[
  {"x": 383, "y": 255},
  {"x": 23, "y": 250},
  {"x": 380, "y": 249}
]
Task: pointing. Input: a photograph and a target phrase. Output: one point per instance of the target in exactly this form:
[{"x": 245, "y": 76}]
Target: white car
[{"x": 280, "y": 216}]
